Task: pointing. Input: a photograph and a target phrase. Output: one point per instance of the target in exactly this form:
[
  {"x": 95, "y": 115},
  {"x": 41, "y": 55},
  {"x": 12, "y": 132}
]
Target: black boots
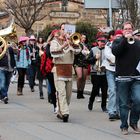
[{"x": 80, "y": 95}]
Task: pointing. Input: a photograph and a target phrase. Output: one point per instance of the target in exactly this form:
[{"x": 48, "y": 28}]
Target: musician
[
  {"x": 63, "y": 60},
  {"x": 22, "y": 62},
  {"x": 34, "y": 49},
  {"x": 128, "y": 78},
  {"x": 98, "y": 76},
  {"x": 113, "y": 108},
  {"x": 7, "y": 64},
  {"x": 81, "y": 66}
]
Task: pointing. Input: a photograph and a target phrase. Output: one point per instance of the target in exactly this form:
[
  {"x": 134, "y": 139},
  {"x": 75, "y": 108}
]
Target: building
[{"x": 70, "y": 11}]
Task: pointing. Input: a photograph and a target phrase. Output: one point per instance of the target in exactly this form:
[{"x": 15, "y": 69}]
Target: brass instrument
[
  {"x": 7, "y": 32},
  {"x": 75, "y": 38},
  {"x": 131, "y": 40},
  {"x": 73, "y": 43},
  {"x": 98, "y": 64}
]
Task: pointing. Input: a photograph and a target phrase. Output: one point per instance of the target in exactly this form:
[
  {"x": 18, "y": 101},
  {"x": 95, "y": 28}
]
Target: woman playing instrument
[{"x": 81, "y": 67}]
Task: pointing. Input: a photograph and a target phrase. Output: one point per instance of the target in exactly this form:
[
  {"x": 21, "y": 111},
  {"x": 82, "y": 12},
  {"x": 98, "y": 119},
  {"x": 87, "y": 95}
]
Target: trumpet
[{"x": 131, "y": 40}]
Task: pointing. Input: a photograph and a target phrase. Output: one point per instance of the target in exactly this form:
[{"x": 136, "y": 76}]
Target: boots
[
  {"x": 80, "y": 95},
  {"x": 19, "y": 91}
]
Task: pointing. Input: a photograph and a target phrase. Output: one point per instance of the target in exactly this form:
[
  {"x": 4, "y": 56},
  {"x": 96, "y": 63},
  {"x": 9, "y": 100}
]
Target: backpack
[{"x": 46, "y": 64}]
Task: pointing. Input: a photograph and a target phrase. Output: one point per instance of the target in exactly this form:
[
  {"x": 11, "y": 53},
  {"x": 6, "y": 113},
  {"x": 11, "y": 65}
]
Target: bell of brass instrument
[
  {"x": 131, "y": 40},
  {"x": 7, "y": 32},
  {"x": 75, "y": 38}
]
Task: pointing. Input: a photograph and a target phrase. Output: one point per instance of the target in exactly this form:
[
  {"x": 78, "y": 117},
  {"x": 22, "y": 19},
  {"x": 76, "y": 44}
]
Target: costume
[{"x": 63, "y": 61}]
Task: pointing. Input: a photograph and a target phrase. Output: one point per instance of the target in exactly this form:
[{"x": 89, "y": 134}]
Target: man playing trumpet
[{"x": 63, "y": 61}]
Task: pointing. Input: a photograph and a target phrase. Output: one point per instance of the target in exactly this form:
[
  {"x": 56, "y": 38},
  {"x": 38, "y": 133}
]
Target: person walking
[
  {"x": 126, "y": 51},
  {"x": 81, "y": 67},
  {"x": 7, "y": 65},
  {"x": 98, "y": 75},
  {"x": 113, "y": 107},
  {"x": 22, "y": 63}
]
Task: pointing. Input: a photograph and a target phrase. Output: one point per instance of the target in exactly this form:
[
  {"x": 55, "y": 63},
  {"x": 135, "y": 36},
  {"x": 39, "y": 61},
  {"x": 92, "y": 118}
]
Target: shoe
[
  {"x": 80, "y": 96},
  {"x": 117, "y": 117},
  {"x": 65, "y": 117},
  {"x": 55, "y": 110},
  {"x": 41, "y": 97},
  {"x": 32, "y": 90},
  {"x": 104, "y": 109},
  {"x": 135, "y": 128},
  {"x": 90, "y": 106},
  {"x": 124, "y": 131},
  {"x": 59, "y": 116},
  {"x": 5, "y": 100},
  {"x": 19, "y": 93},
  {"x": 112, "y": 117}
]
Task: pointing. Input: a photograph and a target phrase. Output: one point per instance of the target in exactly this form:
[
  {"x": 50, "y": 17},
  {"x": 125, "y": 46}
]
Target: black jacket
[
  {"x": 127, "y": 57},
  {"x": 4, "y": 59}
]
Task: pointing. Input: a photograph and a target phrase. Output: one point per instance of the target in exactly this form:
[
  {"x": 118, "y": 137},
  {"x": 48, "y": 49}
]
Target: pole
[{"x": 110, "y": 13}]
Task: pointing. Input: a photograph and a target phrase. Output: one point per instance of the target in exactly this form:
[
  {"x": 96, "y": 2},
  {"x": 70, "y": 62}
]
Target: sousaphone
[{"x": 7, "y": 32}]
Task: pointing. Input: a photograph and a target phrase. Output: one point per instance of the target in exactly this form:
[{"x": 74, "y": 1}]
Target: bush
[{"x": 88, "y": 29}]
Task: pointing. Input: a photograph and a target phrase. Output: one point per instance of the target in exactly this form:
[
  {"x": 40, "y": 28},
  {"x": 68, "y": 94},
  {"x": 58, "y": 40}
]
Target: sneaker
[
  {"x": 5, "y": 100},
  {"x": 135, "y": 128},
  {"x": 55, "y": 110},
  {"x": 113, "y": 117},
  {"x": 124, "y": 131}
]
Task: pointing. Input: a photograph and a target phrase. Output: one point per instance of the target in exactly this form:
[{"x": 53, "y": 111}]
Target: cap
[{"x": 118, "y": 32}]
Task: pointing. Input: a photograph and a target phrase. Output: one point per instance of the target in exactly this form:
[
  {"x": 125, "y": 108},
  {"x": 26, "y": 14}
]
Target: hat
[
  {"x": 118, "y": 32},
  {"x": 136, "y": 32},
  {"x": 54, "y": 32},
  {"x": 23, "y": 38},
  {"x": 32, "y": 37}
]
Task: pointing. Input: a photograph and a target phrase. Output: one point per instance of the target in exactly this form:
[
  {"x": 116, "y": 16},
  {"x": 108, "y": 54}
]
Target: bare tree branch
[{"x": 26, "y": 12}]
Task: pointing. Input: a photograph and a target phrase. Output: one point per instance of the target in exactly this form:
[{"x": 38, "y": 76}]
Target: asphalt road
[{"x": 29, "y": 118}]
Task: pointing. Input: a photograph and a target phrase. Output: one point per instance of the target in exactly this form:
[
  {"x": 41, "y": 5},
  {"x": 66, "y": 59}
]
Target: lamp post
[{"x": 110, "y": 13}]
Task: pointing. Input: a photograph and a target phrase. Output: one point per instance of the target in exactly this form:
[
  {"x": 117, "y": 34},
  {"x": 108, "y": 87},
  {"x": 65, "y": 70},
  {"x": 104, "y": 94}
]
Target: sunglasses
[{"x": 103, "y": 41}]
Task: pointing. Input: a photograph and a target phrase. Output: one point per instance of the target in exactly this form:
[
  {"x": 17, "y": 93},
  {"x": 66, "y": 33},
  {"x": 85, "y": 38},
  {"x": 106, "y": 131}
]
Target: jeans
[
  {"x": 5, "y": 77},
  {"x": 129, "y": 93},
  {"x": 113, "y": 107},
  {"x": 31, "y": 72}
]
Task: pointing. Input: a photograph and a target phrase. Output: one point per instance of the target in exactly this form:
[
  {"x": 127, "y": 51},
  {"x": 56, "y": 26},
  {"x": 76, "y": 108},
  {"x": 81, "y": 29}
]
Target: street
[{"x": 29, "y": 118}]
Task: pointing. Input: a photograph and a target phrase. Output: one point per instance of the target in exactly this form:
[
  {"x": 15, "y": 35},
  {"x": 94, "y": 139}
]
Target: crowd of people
[{"x": 114, "y": 63}]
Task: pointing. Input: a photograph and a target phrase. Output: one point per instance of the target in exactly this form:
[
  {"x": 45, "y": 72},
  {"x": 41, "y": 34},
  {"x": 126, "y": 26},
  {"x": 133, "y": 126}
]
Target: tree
[
  {"x": 130, "y": 11},
  {"x": 26, "y": 12},
  {"x": 81, "y": 27}
]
